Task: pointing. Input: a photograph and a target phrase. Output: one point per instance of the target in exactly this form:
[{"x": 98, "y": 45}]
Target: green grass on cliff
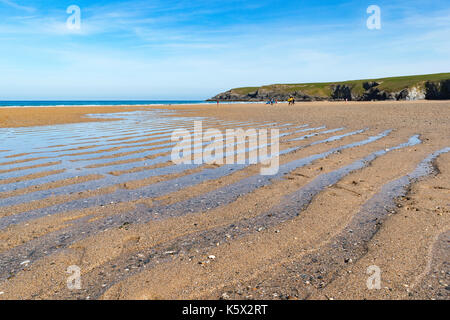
[
  {"x": 392, "y": 84},
  {"x": 245, "y": 90}
]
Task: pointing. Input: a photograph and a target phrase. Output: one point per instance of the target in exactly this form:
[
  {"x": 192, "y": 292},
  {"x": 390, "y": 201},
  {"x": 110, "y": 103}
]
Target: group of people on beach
[
  {"x": 291, "y": 100},
  {"x": 272, "y": 101}
]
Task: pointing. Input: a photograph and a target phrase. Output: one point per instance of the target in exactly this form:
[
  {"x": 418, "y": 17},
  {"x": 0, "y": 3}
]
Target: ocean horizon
[{"x": 68, "y": 103}]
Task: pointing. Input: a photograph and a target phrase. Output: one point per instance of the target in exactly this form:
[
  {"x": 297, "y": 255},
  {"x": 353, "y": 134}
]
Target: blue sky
[{"x": 165, "y": 49}]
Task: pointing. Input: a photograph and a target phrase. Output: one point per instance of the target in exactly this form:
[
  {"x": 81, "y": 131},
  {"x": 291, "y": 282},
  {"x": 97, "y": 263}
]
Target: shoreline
[{"x": 30, "y": 116}]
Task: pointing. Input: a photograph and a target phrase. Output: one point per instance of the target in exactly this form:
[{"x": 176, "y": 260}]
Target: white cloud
[{"x": 17, "y": 6}]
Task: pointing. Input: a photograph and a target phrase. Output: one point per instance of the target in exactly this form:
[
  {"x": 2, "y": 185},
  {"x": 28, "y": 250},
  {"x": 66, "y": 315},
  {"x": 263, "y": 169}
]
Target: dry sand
[{"x": 191, "y": 242}]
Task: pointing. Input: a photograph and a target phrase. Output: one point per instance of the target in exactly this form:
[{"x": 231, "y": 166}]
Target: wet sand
[
  {"x": 40, "y": 116},
  {"x": 358, "y": 187}
]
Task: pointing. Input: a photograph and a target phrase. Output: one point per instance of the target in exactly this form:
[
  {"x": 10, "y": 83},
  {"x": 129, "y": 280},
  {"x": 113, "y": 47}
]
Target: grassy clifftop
[{"x": 356, "y": 89}]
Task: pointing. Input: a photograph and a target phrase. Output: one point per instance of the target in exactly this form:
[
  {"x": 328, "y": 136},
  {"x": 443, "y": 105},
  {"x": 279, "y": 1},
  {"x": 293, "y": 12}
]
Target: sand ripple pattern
[{"x": 106, "y": 197}]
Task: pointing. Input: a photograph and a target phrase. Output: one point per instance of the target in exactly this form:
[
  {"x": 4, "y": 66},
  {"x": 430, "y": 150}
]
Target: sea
[{"x": 68, "y": 103}]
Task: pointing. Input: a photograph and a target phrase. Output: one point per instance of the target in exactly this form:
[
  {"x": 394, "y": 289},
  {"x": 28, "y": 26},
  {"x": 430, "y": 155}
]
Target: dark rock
[
  {"x": 437, "y": 90},
  {"x": 402, "y": 95},
  {"x": 375, "y": 94},
  {"x": 369, "y": 85},
  {"x": 342, "y": 92}
]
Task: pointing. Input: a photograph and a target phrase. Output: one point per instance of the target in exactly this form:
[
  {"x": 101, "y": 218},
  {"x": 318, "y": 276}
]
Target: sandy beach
[
  {"x": 361, "y": 184},
  {"x": 13, "y": 117}
]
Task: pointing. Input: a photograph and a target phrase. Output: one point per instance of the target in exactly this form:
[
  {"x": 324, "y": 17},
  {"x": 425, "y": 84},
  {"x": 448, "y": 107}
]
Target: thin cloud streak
[{"x": 17, "y": 6}]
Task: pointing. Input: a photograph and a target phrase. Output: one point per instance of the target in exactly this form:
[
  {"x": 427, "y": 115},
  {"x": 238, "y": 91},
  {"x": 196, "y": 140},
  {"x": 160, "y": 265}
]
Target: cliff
[{"x": 432, "y": 87}]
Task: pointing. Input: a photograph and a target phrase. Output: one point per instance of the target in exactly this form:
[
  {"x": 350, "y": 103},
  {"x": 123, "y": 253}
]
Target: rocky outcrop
[
  {"x": 231, "y": 96},
  {"x": 373, "y": 93},
  {"x": 437, "y": 90},
  {"x": 415, "y": 93},
  {"x": 264, "y": 95},
  {"x": 356, "y": 91},
  {"x": 341, "y": 92},
  {"x": 369, "y": 85}
]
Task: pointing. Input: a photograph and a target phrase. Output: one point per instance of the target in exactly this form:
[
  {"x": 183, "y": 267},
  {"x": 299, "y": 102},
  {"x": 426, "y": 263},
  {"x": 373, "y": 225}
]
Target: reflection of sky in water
[
  {"x": 44, "y": 141},
  {"x": 73, "y": 147},
  {"x": 154, "y": 190},
  {"x": 28, "y": 139}
]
